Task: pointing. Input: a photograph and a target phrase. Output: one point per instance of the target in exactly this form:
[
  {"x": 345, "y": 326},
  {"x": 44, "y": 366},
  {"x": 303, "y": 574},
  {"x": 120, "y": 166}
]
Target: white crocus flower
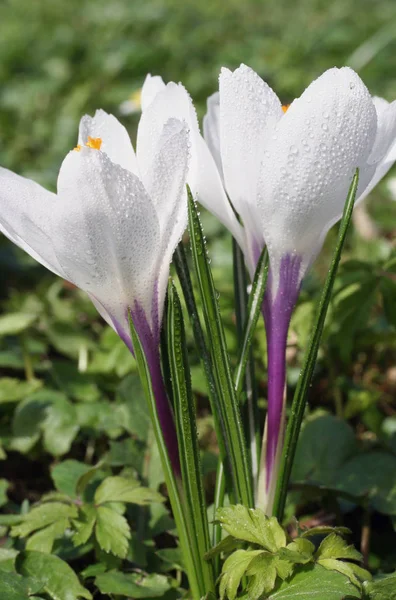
[
  {"x": 112, "y": 227},
  {"x": 287, "y": 172},
  {"x": 172, "y": 100}
]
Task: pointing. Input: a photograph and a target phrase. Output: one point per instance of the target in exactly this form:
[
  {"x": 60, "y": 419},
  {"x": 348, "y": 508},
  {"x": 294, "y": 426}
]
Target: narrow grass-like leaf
[
  {"x": 173, "y": 491},
  {"x": 185, "y": 416},
  {"x": 180, "y": 261},
  {"x": 300, "y": 395},
  {"x": 248, "y": 310},
  {"x": 229, "y": 410},
  {"x": 252, "y": 315}
]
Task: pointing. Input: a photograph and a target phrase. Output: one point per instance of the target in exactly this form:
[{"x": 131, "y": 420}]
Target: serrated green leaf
[
  {"x": 228, "y": 544},
  {"x": 84, "y": 525},
  {"x": 43, "y": 540},
  {"x": 43, "y": 515},
  {"x": 59, "y": 580},
  {"x": 334, "y": 546},
  {"x": 66, "y": 474},
  {"x": 316, "y": 583},
  {"x": 252, "y": 525},
  {"x": 15, "y": 323},
  {"x": 122, "y": 489},
  {"x": 324, "y": 530},
  {"x": 233, "y": 570},
  {"x": 355, "y": 573},
  {"x": 13, "y": 390},
  {"x": 262, "y": 576},
  {"x": 382, "y": 587},
  {"x": 133, "y": 585},
  {"x": 112, "y": 531}
]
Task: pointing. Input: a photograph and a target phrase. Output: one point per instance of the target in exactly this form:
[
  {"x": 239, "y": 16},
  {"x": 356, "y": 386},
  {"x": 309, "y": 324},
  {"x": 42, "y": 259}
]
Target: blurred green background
[{"x": 61, "y": 59}]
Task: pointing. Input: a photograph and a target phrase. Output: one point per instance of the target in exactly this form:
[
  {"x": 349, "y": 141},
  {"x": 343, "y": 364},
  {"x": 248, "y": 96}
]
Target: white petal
[
  {"x": 249, "y": 111},
  {"x": 385, "y": 143},
  {"x": 167, "y": 189},
  {"x": 116, "y": 142},
  {"x": 211, "y": 130},
  {"x": 151, "y": 86},
  {"x": 386, "y": 129},
  {"x": 174, "y": 102},
  {"x": 26, "y": 211},
  {"x": 309, "y": 165},
  {"x": 108, "y": 233}
]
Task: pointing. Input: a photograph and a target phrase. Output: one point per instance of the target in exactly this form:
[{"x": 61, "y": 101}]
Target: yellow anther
[
  {"x": 285, "y": 107},
  {"x": 136, "y": 98},
  {"x": 94, "y": 143},
  {"x": 77, "y": 148}
]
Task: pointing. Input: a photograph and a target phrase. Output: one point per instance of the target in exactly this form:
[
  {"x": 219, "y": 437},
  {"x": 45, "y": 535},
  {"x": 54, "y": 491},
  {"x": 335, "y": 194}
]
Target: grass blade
[
  {"x": 188, "y": 440},
  {"x": 222, "y": 478},
  {"x": 300, "y": 395},
  {"x": 229, "y": 410},
  {"x": 253, "y": 312},
  {"x": 171, "y": 483}
]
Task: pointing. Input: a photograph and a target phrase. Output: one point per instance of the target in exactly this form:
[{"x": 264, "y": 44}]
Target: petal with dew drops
[
  {"x": 309, "y": 164},
  {"x": 166, "y": 185},
  {"x": 386, "y": 129},
  {"x": 26, "y": 217},
  {"x": 211, "y": 130},
  {"x": 174, "y": 102},
  {"x": 385, "y": 142},
  {"x": 249, "y": 112},
  {"x": 115, "y": 139},
  {"x": 108, "y": 233},
  {"x": 153, "y": 84}
]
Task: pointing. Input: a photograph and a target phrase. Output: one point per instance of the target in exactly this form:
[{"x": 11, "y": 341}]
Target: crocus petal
[
  {"x": 26, "y": 211},
  {"x": 249, "y": 112},
  {"x": 203, "y": 177},
  {"x": 211, "y": 130},
  {"x": 385, "y": 143},
  {"x": 151, "y": 86},
  {"x": 116, "y": 142},
  {"x": 107, "y": 237},
  {"x": 166, "y": 187},
  {"x": 308, "y": 166}
]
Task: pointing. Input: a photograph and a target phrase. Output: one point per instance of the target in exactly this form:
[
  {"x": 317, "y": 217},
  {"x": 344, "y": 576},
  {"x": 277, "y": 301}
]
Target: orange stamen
[
  {"x": 94, "y": 143},
  {"x": 285, "y": 107}
]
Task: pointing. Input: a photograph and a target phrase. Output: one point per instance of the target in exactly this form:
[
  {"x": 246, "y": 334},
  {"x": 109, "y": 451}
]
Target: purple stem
[{"x": 277, "y": 313}]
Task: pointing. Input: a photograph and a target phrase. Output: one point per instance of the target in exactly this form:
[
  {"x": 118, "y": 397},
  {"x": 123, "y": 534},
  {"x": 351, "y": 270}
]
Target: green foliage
[{"x": 269, "y": 557}]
